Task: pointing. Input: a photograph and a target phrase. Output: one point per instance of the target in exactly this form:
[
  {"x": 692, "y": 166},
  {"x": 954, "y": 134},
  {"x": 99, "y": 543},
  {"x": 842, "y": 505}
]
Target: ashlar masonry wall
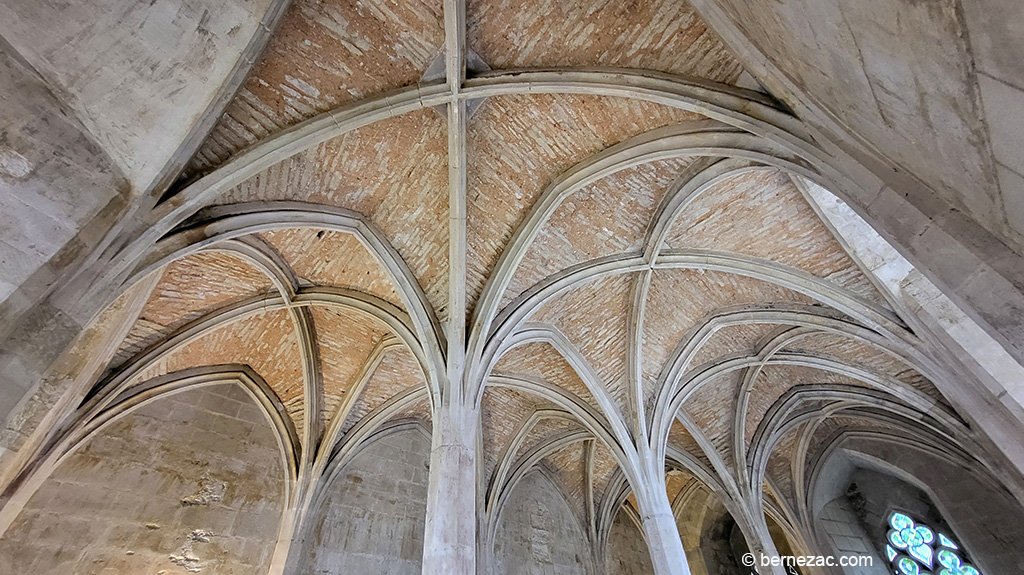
[
  {"x": 537, "y": 534},
  {"x": 627, "y": 552},
  {"x": 190, "y": 483},
  {"x": 372, "y": 518}
]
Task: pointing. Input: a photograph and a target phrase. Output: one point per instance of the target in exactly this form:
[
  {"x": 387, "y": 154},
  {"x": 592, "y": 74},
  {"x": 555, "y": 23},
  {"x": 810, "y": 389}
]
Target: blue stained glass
[
  {"x": 900, "y": 521},
  {"x": 922, "y": 553},
  {"x": 896, "y": 540},
  {"x": 948, "y": 559},
  {"x": 907, "y": 566},
  {"x": 912, "y": 536},
  {"x": 924, "y": 547},
  {"x": 952, "y": 564}
]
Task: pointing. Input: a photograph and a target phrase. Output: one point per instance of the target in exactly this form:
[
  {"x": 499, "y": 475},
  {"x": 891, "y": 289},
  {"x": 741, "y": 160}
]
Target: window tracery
[{"x": 916, "y": 549}]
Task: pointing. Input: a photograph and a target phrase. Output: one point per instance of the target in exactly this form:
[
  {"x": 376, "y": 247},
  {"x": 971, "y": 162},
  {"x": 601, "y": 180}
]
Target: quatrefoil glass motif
[
  {"x": 915, "y": 539},
  {"x": 912, "y": 548}
]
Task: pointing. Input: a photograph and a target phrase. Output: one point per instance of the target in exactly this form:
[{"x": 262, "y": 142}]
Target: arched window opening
[{"x": 913, "y": 548}]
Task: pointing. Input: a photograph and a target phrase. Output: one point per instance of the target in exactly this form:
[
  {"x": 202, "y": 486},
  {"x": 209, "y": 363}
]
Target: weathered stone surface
[
  {"x": 627, "y": 551},
  {"x": 141, "y": 84},
  {"x": 116, "y": 503},
  {"x": 59, "y": 189},
  {"x": 371, "y": 519},
  {"x": 899, "y": 74},
  {"x": 537, "y": 533}
]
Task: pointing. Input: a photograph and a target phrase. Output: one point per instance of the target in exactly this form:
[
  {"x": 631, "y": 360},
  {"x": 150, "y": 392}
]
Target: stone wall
[
  {"x": 690, "y": 523},
  {"x": 721, "y": 544},
  {"x": 59, "y": 193},
  {"x": 847, "y": 537},
  {"x": 856, "y": 522},
  {"x": 371, "y": 520},
  {"x": 537, "y": 534},
  {"x": 191, "y": 482},
  {"x": 874, "y": 495},
  {"x": 986, "y": 520},
  {"x": 627, "y": 552},
  {"x": 890, "y": 84},
  {"x": 146, "y": 84}
]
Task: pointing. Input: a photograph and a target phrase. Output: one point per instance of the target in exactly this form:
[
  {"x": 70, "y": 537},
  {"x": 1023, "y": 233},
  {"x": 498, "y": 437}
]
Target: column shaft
[
  {"x": 663, "y": 539},
  {"x": 761, "y": 545},
  {"x": 659, "y": 523},
  {"x": 449, "y": 542}
]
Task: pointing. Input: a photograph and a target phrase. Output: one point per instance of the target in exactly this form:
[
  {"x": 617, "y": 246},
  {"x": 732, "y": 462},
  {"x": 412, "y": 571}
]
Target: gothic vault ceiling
[{"x": 638, "y": 253}]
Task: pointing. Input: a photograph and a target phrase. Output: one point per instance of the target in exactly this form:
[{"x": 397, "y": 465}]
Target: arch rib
[
  {"x": 691, "y": 139},
  {"x": 230, "y": 222}
]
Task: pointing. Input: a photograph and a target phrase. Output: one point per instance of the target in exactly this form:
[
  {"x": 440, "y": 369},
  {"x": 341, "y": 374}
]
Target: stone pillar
[
  {"x": 666, "y": 547},
  {"x": 659, "y": 523},
  {"x": 761, "y": 545},
  {"x": 449, "y": 539}
]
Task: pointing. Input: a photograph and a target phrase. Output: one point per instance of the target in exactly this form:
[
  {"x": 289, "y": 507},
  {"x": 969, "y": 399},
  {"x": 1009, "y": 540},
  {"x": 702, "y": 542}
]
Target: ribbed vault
[{"x": 607, "y": 230}]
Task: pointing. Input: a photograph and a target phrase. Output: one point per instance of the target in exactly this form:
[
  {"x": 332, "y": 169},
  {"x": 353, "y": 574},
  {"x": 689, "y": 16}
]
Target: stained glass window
[{"x": 916, "y": 549}]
